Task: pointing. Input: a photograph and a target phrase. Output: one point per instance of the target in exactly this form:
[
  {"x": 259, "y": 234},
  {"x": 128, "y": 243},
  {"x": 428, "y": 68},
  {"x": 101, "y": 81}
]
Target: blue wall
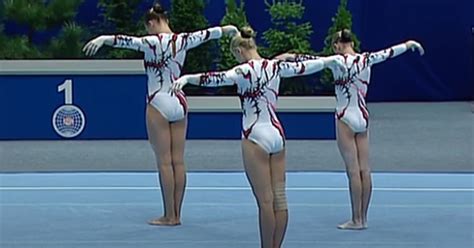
[{"x": 114, "y": 108}]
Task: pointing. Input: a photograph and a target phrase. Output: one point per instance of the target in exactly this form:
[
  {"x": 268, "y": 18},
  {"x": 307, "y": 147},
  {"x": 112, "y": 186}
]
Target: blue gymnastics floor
[{"x": 111, "y": 210}]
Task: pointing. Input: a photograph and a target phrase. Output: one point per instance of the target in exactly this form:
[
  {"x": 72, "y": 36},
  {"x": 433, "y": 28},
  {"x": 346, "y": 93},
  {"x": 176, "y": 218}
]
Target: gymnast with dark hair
[
  {"x": 352, "y": 115},
  {"x": 166, "y": 113}
]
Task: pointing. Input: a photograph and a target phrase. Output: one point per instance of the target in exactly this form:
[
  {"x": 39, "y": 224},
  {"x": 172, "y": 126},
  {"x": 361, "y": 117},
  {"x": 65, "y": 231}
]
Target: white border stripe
[
  {"x": 209, "y": 188},
  {"x": 191, "y": 243},
  {"x": 225, "y": 204}
]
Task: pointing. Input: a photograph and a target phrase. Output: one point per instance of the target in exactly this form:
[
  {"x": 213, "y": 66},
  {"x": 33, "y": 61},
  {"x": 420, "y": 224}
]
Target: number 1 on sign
[{"x": 67, "y": 88}]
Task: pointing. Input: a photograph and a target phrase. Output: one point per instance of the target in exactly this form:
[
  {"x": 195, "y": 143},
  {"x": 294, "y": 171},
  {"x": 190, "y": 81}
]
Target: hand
[
  {"x": 93, "y": 46},
  {"x": 230, "y": 30},
  {"x": 413, "y": 45},
  {"x": 179, "y": 84},
  {"x": 285, "y": 56}
]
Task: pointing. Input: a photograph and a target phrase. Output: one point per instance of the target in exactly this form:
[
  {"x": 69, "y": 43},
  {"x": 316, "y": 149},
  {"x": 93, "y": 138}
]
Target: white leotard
[
  {"x": 258, "y": 84},
  {"x": 164, "y": 56},
  {"x": 351, "y": 86}
]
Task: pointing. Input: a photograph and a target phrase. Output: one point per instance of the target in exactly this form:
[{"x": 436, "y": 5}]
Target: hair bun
[
  {"x": 247, "y": 32},
  {"x": 157, "y": 8},
  {"x": 346, "y": 36}
]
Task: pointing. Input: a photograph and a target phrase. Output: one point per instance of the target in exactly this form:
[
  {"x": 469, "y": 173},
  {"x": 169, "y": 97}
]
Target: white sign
[{"x": 68, "y": 120}]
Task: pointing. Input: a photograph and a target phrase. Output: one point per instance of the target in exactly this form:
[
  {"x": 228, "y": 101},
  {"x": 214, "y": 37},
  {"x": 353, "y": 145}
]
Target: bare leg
[
  {"x": 362, "y": 141},
  {"x": 348, "y": 149},
  {"x": 178, "y": 139},
  {"x": 159, "y": 135},
  {"x": 277, "y": 169},
  {"x": 257, "y": 168}
]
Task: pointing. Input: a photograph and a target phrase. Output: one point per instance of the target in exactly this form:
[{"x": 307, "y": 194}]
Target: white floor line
[
  {"x": 225, "y": 188},
  {"x": 226, "y": 204}
]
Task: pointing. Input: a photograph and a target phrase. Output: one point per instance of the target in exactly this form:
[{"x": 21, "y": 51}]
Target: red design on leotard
[
  {"x": 276, "y": 123},
  {"x": 264, "y": 64},
  {"x": 164, "y": 54},
  {"x": 158, "y": 66},
  {"x": 182, "y": 101},
  {"x": 392, "y": 52},
  {"x": 152, "y": 47},
  {"x": 341, "y": 114},
  {"x": 173, "y": 44},
  {"x": 303, "y": 69},
  {"x": 363, "y": 81},
  {"x": 257, "y": 84},
  {"x": 248, "y": 131},
  {"x": 366, "y": 60},
  {"x": 365, "y": 112},
  {"x": 150, "y": 97}
]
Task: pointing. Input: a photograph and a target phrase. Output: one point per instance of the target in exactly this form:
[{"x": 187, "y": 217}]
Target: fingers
[
  {"x": 235, "y": 31},
  {"x": 90, "y": 48},
  {"x": 84, "y": 49},
  {"x": 413, "y": 45},
  {"x": 96, "y": 48},
  {"x": 87, "y": 48},
  {"x": 421, "y": 50},
  {"x": 230, "y": 30},
  {"x": 285, "y": 56},
  {"x": 177, "y": 86}
]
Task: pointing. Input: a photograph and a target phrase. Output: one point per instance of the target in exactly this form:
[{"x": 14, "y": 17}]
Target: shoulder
[
  {"x": 343, "y": 58},
  {"x": 151, "y": 38},
  {"x": 244, "y": 67}
]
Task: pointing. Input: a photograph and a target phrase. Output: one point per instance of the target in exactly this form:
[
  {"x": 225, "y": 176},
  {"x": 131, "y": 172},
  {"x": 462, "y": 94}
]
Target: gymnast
[
  {"x": 263, "y": 138},
  {"x": 166, "y": 113},
  {"x": 352, "y": 116}
]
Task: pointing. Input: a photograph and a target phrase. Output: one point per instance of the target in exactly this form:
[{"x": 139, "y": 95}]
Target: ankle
[{"x": 357, "y": 221}]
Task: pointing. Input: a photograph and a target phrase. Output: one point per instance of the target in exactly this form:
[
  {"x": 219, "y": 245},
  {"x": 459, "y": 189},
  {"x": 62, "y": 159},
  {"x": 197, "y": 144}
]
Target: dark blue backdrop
[{"x": 443, "y": 26}]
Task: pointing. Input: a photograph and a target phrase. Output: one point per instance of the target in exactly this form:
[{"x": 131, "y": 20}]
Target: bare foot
[
  {"x": 164, "y": 221},
  {"x": 351, "y": 225}
]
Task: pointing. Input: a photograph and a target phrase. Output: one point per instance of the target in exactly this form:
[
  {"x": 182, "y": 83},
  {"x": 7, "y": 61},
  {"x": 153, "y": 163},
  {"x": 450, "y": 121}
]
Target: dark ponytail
[{"x": 157, "y": 12}]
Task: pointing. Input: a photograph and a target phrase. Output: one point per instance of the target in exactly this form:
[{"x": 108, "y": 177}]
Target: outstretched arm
[
  {"x": 392, "y": 52},
  {"x": 194, "y": 39},
  {"x": 119, "y": 41},
  {"x": 295, "y": 57},
  {"x": 306, "y": 65},
  {"x": 210, "y": 79}
]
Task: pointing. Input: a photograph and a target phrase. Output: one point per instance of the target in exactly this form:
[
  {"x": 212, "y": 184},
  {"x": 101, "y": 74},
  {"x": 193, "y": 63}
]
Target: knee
[
  {"x": 265, "y": 199},
  {"x": 163, "y": 159},
  {"x": 178, "y": 162},
  {"x": 164, "y": 164},
  {"x": 279, "y": 195},
  {"x": 353, "y": 173},
  {"x": 365, "y": 171}
]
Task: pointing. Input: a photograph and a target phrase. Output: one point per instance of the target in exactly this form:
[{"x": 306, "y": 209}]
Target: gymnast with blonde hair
[{"x": 263, "y": 139}]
